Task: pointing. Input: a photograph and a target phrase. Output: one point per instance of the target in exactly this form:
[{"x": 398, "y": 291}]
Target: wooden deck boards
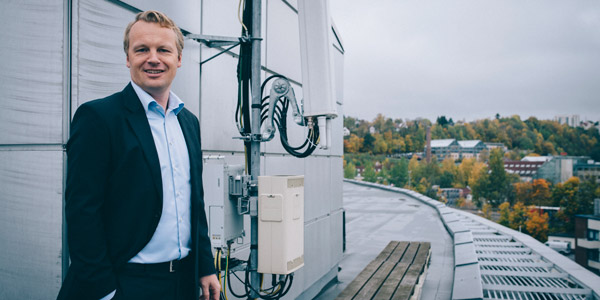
[{"x": 393, "y": 274}]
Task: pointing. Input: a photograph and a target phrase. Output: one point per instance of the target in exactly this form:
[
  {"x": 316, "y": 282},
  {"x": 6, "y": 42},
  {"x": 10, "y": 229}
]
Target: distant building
[
  {"x": 571, "y": 120},
  {"x": 525, "y": 169},
  {"x": 444, "y": 148},
  {"x": 491, "y": 146},
  {"x": 587, "y": 234},
  {"x": 346, "y": 131},
  {"x": 451, "y": 195},
  {"x": 559, "y": 168},
  {"x": 459, "y": 149},
  {"x": 372, "y": 130},
  {"x": 537, "y": 158},
  {"x": 588, "y": 170},
  {"x": 471, "y": 148},
  {"x": 589, "y": 124}
]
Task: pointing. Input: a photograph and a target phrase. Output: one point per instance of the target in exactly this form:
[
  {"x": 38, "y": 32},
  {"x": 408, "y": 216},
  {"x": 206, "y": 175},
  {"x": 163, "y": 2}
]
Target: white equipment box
[
  {"x": 224, "y": 222},
  {"x": 280, "y": 224}
]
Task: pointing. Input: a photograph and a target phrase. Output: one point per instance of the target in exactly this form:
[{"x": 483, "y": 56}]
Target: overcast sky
[{"x": 470, "y": 59}]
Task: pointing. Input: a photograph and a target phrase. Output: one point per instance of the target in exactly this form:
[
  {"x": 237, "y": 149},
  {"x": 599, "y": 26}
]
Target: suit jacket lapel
[{"x": 139, "y": 124}]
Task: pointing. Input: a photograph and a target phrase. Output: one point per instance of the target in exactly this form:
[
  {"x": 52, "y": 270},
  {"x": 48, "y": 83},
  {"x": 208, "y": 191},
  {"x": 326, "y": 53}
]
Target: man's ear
[
  {"x": 179, "y": 61},
  {"x": 127, "y": 59}
]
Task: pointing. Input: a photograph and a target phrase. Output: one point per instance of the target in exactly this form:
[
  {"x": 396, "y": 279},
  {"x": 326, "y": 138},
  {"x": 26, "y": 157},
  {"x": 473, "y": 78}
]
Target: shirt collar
[{"x": 174, "y": 102}]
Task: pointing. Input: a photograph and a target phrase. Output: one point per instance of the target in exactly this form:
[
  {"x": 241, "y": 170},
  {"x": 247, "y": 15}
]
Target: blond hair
[{"x": 153, "y": 16}]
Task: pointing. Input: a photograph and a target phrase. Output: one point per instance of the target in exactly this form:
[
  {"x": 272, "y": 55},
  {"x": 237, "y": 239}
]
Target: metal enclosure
[
  {"x": 60, "y": 54},
  {"x": 280, "y": 224},
  {"x": 224, "y": 221}
]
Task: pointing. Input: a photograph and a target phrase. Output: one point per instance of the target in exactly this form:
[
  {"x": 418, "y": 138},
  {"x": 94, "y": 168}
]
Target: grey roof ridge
[
  {"x": 576, "y": 272},
  {"x": 464, "y": 288}
]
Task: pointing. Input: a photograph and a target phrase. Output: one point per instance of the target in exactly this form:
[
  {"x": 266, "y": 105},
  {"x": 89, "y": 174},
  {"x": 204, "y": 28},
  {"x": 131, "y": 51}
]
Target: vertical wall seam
[{"x": 67, "y": 104}]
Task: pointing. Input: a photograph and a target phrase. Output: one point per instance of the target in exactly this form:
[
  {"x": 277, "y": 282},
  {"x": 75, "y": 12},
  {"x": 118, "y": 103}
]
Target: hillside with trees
[
  {"x": 542, "y": 137},
  {"x": 389, "y": 149}
]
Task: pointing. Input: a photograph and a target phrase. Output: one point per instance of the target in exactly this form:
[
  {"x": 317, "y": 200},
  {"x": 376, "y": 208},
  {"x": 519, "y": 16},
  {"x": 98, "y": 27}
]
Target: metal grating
[{"x": 511, "y": 270}]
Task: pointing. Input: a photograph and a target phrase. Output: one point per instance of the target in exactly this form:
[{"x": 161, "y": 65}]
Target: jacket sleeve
[
  {"x": 88, "y": 158},
  {"x": 205, "y": 256}
]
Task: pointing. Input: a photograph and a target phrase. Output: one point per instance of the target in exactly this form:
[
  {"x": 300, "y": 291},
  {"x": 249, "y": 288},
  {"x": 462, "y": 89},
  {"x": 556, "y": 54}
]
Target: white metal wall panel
[
  {"x": 30, "y": 224},
  {"x": 336, "y": 237},
  {"x": 316, "y": 182},
  {"x": 336, "y": 187},
  {"x": 221, "y": 18},
  {"x": 31, "y": 82},
  {"x": 185, "y": 13},
  {"x": 318, "y": 243},
  {"x": 283, "y": 165},
  {"x": 283, "y": 40},
  {"x": 218, "y": 101}
]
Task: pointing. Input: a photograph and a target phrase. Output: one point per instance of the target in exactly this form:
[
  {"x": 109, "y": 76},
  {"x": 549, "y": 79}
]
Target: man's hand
[{"x": 211, "y": 289}]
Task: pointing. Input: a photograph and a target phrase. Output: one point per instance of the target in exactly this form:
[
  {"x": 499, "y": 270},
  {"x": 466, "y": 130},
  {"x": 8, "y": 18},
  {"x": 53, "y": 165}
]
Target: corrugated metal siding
[
  {"x": 30, "y": 224},
  {"x": 31, "y": 82},
  {"x": 31, "y": 157},
  {"x": 33, "y": 97}
]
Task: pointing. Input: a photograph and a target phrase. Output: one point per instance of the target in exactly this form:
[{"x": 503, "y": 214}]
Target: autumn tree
[
  {"x": 449, "y": 173},
  {"x": 540, "y": 193},
  {"x": 352, "y": 144},
  {"x": 518, "y": 217},
  {"x": 523, "y": 192},
  {"x": 487, "y": 211},
  {"x": 504, "y": 214},
  {"x": 537, "y": 224}
]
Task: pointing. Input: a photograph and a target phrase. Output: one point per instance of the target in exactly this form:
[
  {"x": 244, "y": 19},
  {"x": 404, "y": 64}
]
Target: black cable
[{"x": 231, "y": 289}]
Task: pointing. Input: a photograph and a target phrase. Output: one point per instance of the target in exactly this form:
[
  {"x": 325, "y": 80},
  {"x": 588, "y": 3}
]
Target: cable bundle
[
  {"x": 280, "y": 119},
  {"x": 275, "y": 292}
]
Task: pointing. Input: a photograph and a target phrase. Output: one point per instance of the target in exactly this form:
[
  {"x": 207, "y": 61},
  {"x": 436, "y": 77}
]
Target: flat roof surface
[{"x": 374, "y": 217}]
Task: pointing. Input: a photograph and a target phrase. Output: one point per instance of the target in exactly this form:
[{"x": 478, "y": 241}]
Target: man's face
[{"x": 152, "y": 57}]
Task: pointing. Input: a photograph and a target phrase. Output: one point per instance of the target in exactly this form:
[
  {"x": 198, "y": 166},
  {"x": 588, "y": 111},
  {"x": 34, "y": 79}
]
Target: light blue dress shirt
[{"x": 172, "y": 238}]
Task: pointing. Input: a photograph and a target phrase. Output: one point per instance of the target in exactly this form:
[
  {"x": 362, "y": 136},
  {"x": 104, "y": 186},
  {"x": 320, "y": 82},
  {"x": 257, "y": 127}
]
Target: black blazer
[{"x": 113, "y": 197}]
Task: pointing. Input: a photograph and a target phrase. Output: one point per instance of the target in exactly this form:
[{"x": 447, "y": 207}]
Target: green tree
[
  {"x": 369, "y": 173},
  {"x": 368, "y": 143},
  {"x": 349, "y": 171},
  {"x": 399, "y": 173},
  {"x": 480, "y": 185},
  {"x": 499, "y": 185}
]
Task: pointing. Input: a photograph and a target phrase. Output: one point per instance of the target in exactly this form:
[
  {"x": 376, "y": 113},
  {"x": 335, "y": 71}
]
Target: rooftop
[
  {"x": 441, "y": 143},
  {"x": 472, "y": 257},
  {"x": 537, "y": 158},
  {"x": 469, "y": 143}
]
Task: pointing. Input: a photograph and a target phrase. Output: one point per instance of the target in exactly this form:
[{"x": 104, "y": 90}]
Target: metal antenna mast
[{"x": 255, "y": 35}]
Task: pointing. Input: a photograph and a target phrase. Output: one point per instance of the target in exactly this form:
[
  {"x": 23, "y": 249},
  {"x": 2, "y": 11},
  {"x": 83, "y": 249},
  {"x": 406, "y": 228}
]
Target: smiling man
[{"x": 136, "y": 226}]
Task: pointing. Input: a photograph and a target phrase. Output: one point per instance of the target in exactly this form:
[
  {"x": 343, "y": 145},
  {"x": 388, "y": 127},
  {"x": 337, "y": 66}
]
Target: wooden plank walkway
[{"x": 393, "y": 274}]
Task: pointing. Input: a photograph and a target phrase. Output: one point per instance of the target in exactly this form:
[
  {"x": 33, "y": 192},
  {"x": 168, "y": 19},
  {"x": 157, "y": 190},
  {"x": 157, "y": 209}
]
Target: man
[{"x": 136, "y": 225}]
